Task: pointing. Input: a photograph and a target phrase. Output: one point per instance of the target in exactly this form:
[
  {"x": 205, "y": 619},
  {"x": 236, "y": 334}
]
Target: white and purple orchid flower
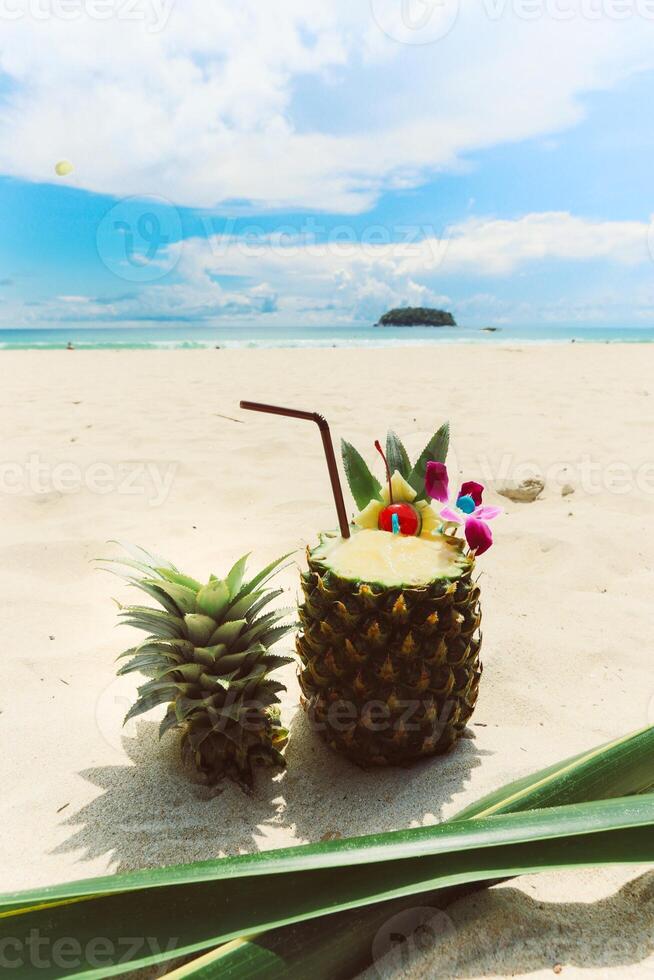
[{"x": 467, "y": 508}]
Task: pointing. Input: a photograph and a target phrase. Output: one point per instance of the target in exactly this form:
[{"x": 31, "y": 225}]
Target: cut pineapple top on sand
[{"x": 391, "y": 560}]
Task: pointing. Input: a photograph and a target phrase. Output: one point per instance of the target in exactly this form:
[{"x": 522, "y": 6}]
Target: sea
[{"x": 354, "y": 335}]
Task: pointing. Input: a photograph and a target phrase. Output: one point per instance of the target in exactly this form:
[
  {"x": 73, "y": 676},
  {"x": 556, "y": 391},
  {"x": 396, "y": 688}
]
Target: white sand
[{"x": 567, "y": 597}]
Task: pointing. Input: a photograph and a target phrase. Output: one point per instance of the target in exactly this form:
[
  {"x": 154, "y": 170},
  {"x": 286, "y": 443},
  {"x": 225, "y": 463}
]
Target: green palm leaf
[
  {"x": 200, "y": 906},
  {"x": 204, "y": 905},
  {"x": 335, "y": 949},
  {"x": 622, "y": 767}
]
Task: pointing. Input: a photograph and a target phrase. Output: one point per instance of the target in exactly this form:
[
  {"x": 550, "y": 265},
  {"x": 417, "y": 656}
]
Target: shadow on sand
[
  {"x": 151, "y": 813},
  {"x": 327, "y": 794},
  {"x": 504, "y": 932}
]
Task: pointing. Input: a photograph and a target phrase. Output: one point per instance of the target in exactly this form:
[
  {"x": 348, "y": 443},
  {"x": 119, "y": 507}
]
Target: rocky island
[{"x": 416, "y": 316}]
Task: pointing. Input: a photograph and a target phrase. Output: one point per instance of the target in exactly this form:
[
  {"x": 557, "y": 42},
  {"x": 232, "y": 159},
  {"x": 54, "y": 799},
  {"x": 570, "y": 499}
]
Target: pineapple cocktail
[
  {"x": 390, "y": 641},
  {"x": 389, "y": 645}
]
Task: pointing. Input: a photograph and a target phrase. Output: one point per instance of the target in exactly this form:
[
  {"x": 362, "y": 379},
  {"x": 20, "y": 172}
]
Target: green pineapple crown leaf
[
  {"x": 207, "y": 655},
  {"x": 365, "y": 486}
]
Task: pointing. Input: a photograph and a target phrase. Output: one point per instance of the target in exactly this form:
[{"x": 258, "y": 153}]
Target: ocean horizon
[{"x": 353, "y": 335}]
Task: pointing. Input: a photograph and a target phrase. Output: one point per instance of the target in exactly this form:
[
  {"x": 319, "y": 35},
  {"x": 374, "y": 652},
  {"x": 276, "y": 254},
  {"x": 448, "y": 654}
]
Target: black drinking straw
[{"x": 321, "y": 422}]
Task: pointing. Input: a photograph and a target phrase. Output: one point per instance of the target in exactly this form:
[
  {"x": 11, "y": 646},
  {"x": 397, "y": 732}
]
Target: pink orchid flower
[{"x": 467, "y": 510}]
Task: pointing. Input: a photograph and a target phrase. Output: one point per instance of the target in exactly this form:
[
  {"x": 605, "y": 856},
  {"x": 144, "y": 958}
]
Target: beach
[{"x": 150, "y": 447}]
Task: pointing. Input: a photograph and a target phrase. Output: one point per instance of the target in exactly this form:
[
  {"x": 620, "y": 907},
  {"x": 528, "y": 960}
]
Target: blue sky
[{"x": 234, "y": 166}]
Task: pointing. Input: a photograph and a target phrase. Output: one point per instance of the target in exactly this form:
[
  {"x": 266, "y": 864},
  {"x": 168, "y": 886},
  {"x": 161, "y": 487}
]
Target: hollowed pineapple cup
[{"x": 389, "y": 644}]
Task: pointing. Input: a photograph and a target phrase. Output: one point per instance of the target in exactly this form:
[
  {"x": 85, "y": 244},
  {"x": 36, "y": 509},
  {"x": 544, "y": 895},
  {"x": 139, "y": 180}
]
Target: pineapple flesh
[
  {"x": 207, "y": 656},
  {"x": 389, "y": 644}
]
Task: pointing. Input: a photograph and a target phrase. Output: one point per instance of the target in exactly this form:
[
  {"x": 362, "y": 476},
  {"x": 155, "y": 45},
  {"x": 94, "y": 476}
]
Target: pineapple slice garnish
[{"x": 403, "y": 492}]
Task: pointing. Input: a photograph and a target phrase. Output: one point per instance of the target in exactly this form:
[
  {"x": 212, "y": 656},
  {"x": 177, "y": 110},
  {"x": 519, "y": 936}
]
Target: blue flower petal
[{"x": 466, "y": 504}]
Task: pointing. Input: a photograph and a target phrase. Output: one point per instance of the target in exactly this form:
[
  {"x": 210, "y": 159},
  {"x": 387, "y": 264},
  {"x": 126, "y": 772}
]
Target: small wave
[{"x": 311, "y": 337}]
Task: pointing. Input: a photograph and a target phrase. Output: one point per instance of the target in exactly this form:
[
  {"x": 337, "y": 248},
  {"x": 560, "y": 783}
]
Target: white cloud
[
  {"x": 296, "y": 103},
  {"x": 496, "y": 247},
  {"x": 482, "y": 247},
  {"x": 295, "y": 282}
]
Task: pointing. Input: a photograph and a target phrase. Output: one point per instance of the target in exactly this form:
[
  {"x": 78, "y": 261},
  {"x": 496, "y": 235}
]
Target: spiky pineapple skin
[
  {"x": 390, "y": 675},
  {"x": 233, "y": 753}
]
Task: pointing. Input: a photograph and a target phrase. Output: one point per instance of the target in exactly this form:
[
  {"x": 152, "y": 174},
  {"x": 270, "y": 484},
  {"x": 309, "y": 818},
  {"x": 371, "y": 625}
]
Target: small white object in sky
[{"x": 63, "y": 168}]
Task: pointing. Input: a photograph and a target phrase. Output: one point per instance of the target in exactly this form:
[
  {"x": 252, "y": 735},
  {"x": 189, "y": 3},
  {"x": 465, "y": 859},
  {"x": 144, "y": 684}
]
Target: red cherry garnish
[{"x": 407, "y": 516}]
